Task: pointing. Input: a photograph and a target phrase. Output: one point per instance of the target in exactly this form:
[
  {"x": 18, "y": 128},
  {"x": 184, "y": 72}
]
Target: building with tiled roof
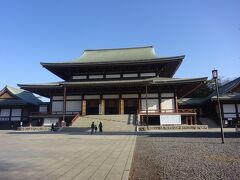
[
  {"x": 15, "y": 105},
  {"x": 119, "y": 81}
]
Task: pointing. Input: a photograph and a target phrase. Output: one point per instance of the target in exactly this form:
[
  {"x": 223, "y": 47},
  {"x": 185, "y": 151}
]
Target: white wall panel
[
  {"x": 110, "y": 96},
  {"x": 167, "y": 105},
  {"x": 92, "y": 97},
  {"x": 15, "y": 118},
  {"x": 80, "y": 77},
  {"x": 113, "y": 76},
  {"x": 43, "y": 108},
  {"x": 167, "y": 94},
  {"x": 5, "y": 112},
  {"x": 95, "y": 76},
  {"x": 130, "y": 96},
  {"x": 130, "y": 75},
  {"x": 170, "y": 119},
  {"x": 57, "y": 98},
  {"x": 229, "y": 115},
  {"x": 229, "y": 108},
  {"x": 148, "y": 74},
  {"x": 74, "y": 106},
  {"x": 150, "y": 95},
  {"x": 153, "y": 105},
  {"x": 16, "y": 112},
  {"x": 57, "y": 106},
  {"x": 73, "y": 97}
]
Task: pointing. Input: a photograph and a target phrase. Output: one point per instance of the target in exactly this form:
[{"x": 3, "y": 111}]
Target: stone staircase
[
  {"x": 208, "y": 121},
  {"x": 111, "y": 123}
]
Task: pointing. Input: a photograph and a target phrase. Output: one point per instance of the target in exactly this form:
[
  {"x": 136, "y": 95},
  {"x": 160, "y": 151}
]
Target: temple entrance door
[
  {"x": 112, "y": 106},
  {"x": 130, "y": 106},
  {"x": 92, "y": 107}
]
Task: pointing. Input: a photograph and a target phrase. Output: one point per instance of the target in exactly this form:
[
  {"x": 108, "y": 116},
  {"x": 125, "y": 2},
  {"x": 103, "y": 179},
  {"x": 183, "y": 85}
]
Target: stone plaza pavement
[{"x": 35, "y": 155}]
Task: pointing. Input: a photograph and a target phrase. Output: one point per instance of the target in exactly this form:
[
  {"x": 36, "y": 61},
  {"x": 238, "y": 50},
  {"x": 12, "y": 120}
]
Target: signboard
[{"x": 170, "y": 119}]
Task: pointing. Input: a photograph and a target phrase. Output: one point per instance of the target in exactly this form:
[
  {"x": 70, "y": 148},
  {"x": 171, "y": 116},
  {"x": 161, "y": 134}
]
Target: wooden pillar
[
  {"x": 121, "y": 106},
  {"x": 64, "y": 102},
  {"x": 84, "y": 107},
  {"x": 195, "y": 119},
  {"x": 237, "y": 112},
  {"x": 187, "y": 119},
  {"x": 176, "y": 103},
  {"x": 191, "y": 122},
  {"x": 102, "y": 106},
  {"x": 146, "y": 98}
]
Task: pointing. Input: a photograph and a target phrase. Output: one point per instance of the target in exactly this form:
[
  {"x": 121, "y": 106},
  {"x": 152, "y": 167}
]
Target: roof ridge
[{"x": 106, "y": 49}]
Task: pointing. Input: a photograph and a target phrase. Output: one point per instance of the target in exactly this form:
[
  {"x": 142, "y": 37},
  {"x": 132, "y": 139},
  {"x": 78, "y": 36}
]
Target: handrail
[{"x": 75, "y": 118}]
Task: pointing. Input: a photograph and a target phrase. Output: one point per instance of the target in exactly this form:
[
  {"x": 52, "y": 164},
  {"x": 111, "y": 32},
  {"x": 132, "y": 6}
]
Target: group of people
[{"x": 94, "y": 127}]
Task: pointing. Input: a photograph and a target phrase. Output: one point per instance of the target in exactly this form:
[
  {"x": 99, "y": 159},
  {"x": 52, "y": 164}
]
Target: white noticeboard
[{"x": 170, "y": 119}]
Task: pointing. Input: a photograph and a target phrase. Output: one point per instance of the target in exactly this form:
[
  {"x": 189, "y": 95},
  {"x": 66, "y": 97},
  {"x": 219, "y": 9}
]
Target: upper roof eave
[{"x": 74, "y": 63}]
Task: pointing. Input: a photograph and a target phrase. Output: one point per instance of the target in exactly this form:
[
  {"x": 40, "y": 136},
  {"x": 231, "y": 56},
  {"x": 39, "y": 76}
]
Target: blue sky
[{"x": 206, "y": 31}]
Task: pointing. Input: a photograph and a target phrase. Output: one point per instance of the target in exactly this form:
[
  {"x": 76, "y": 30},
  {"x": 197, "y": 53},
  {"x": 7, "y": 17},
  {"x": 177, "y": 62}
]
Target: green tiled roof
[
  {"x": 25, "y": 96},
  {"x": 108, "y": 55},
  {"x": 234, "y": 96},
  {"x": 190, "y": 101},
  {"x": 225, "y": 89},
  {"x": 118, "y": 55}
]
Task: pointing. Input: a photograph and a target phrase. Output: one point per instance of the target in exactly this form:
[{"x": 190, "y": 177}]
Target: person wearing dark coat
[
  {"x": 92, "y": 127},
  {"x": 100, "y": 127},
  {"x": 52, "y": 127},
  {"x": 95, "y": 127}
]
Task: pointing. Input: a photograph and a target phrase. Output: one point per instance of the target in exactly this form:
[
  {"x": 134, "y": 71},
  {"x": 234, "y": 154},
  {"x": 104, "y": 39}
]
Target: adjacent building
[
  {"x": 15, "y": 106},
  {"x": 229, "y": 97}
]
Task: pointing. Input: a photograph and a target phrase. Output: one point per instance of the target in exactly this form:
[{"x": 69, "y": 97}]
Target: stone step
[
  {"x": 209, "y": 121},
  {"x": 110, "y": 123}
]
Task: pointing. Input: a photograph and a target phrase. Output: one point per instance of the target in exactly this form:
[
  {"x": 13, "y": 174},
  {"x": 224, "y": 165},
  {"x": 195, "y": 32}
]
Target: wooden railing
[
  {"x": 169, "y": 111},
  {"x": 54, "y": 113},
  {"x": 189, "y": 116}
]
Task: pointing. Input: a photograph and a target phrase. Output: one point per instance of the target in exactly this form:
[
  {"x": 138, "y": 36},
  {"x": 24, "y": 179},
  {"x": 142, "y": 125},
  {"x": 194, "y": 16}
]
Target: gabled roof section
[
  {"x": 226, "y": 89},
  {"x": 22, "y": 95}
]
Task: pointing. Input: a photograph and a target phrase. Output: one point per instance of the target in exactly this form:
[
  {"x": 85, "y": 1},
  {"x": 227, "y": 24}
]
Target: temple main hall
[{"x": 123, "y": 81}]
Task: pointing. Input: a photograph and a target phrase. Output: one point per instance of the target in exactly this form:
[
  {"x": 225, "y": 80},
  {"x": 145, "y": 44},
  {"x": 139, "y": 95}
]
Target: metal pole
[
  {"x": 146, "y": 98},
  {"x": 219, "y": 110}
]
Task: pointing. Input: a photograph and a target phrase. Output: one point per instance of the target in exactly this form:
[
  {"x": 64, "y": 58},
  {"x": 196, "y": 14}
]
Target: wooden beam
[{"x": 189, "y": 92}]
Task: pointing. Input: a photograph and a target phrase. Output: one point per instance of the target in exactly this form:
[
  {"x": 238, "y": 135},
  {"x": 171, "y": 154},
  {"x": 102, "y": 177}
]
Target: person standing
[
  {"x": 95, "y": 127},
  {"x": 92, "y": 127},
  {"x": 52, "y": 127},
  {"x": 100, "y": 127}
]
